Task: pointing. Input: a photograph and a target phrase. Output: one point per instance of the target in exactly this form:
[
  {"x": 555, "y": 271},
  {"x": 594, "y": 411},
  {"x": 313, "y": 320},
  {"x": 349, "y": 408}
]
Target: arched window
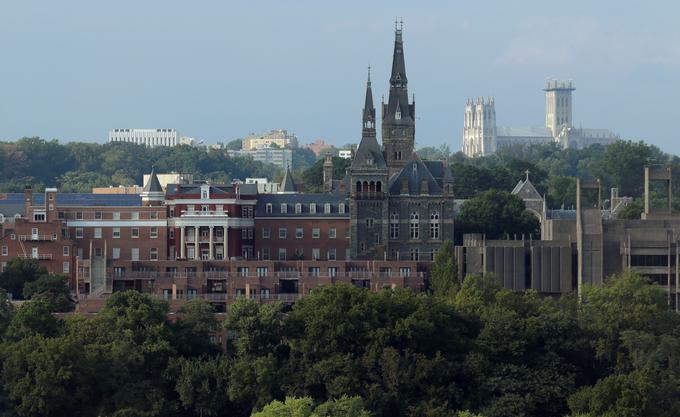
[
  {"x": 434, "y": 225},
  {"x": 298, "y": 208},
  {"x": 394, "y": 225},
  {"x": 371, "y": 186},
  {"x": 378, "y": 186},
  {"x": 341, "y": 208},
  {"x": 364, "y": 186},
  {"x": 358, "y": 186},
  {"x": 414, "y": 226}
]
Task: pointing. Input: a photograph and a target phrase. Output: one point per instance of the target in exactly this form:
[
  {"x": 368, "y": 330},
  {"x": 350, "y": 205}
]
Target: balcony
[
  {"x": 201, "y": 213},
  {"x": 35, "y": 238},
  {"x": 42, "y": 256}
]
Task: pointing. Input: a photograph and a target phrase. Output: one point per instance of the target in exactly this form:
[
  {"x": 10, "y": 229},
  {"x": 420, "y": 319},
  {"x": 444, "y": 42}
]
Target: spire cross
[
  {"x": 527, "y": 172},
  {"x": 369, "y": 73}
]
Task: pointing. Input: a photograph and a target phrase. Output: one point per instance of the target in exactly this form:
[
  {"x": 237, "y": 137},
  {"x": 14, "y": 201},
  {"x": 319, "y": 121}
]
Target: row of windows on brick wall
[
  {"x": 115, "y": 232},
  {"x": 299, "y": 233},
  {"x": 312, "y": 208},
  {"x": 134, "y": 253},
  {"x": 299, "y": 254},
  {"x": 98, "y": 215}
]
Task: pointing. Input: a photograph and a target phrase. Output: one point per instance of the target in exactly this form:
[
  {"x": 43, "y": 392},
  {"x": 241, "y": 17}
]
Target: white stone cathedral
[{"x": 482, "y": 137}]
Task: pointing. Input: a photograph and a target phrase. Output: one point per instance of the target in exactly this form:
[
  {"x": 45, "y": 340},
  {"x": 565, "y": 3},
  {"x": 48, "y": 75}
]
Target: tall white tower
[
  {"x": 479, "y": 127},
  {"x": 558, "y": 105}
]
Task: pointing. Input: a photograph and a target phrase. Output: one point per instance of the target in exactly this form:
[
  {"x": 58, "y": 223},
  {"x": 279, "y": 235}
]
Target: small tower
[
  {"x": 328, "y": 172},
  {"x": 558, "y": 105},
  {"x": 479, "y": 127},
  {"x": 152, "y": 193},
  {"x": 287, "y": 183}
]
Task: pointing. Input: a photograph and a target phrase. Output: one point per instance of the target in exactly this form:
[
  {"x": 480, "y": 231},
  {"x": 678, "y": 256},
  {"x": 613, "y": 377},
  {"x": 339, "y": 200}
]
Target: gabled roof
[
  {"x": 287, "y": 184},
  {"x": 414, "y": 172},
  {"x": 369, "y": 154},
  {"x": 152, "y": 185},
  {"x": 526, "y": 190}
]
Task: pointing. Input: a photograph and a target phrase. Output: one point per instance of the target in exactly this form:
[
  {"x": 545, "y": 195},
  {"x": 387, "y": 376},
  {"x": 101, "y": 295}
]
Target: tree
[
  {"x": 53, "y": 289},
  {"x": 17, "y": 273},
  {"x": 195, "y": 326},
  {"x": 201, "y": 384},
  {"x": 33, "y": 318},
  {"x": 313, "y": 176},
  {"x": 624, "y": 162},
  {"x": 304, "y": 407},
  {"x": 496, "y": 214},
  {"x": 234, "y": 145},
  {"x": 443, "y": 277}
]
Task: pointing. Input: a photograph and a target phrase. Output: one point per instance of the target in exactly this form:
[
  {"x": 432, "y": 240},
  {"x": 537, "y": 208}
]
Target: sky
[{"x": 218, "y": 70}]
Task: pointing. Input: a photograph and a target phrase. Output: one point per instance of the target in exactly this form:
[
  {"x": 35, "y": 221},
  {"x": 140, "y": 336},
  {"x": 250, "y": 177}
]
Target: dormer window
[
  {"x": 370, "y": 160},
  {"x": 205, "y": 192},
  {"x": 397, "y": 115},
  {"x": 284, "y": 208}
]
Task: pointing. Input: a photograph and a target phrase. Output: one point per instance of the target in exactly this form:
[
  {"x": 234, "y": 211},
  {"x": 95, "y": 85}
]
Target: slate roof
[
  {"x": 152, "y": 185},
  {"x": 368, "y": 150},
  {"x": 305, "y": 200},
  {"x": 287, "y": 184},
  {"x": 13, "y": 203},
  {"x": 526, "y": 190},
  {"x": 414, "y": 172}
]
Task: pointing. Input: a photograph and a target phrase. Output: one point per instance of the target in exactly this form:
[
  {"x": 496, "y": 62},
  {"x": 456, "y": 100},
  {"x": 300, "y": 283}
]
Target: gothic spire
[
  {"x": 369, "y": 110},
  {"x": 398, "y": 97},
  {"x": 398, "y": 77}
]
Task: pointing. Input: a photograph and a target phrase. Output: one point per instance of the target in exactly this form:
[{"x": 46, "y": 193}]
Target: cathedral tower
[
  {"x": 398, "y": 116},
  {"x": 479, "y": 127},
  {"x": 558, "y": 105}
]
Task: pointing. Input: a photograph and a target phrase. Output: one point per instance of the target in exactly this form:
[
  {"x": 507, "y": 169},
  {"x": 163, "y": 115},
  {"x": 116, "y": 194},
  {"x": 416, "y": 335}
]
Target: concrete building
[
  {"x": 318, "y": 146},
  {"x": 278, "y": 137},
  {"x": 585, "y": 245},
  {"x": 346, "y": 153},
  {"x": 263, "y": 185},
  {"x": 147, "y": 137},
  {"x": 481, "y": 135},
  {"x": 171, "y": 178},
  {"x": 282, "y": 158}
]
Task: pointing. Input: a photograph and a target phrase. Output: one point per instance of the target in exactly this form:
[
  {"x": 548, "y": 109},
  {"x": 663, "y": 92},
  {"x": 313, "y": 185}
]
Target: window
[
  {"x": 394, "y": 225},
  {"x": 299, "y": 253},
  {"x": 79, "y": 232},
  {"x": 264, "y": 293},
  {"x": 316, "y": 233},
  {"x": 261, "y": 271},
  {"x": 116, "y": 253},
  {"x": 116, "y": 233},
  {"x": 332, "y": 254},
  {"x": 97, "y": 232},
  {"x": 404, "y": 272},
  {"x": 5, "y": 251},
  {"x": 312, "y": 208},
  {"x": 190, "y": 207},
  {"x": 265, "y": 254},
  {"x": 61, "y": 215},
  {"x": 134, "y": 215},
  {"x": 116, "y": 215},
  {"x": 54, "y": 236},
  {"x": 135, "y": 232},
  {"x": 79, "y": 215},
  {"x": 153, "y": 215},
  {"x": 247, "y": 212},
  {"x": 172, "y": 212},
  {"x": 298, "y": 208},
  {"x": 268, "y": 208},
  {"x": 13, "y": 236},
  {"x": 316, "y": 253},
  {"x": 98, "y": 252},
  {"x": 332, "y": 233},
  {"x": 266, "y": 232},
  {"x": 299, "y": 233},
  {"x": 415, "y": 254},
  {"x": 414, "y": 227},
  {"x": 153, "y": 232},
  {"x": 40, "y": 217},
  {"x": 66, "y": 250},
  {"x": 327, "y": 208},
  {"x": 369, "y": 223},
  {"x": 244, "y": 233},
  {"x": 434, "y": 225},
  {"x": 204, "y": 194},
  {"x": 433, "y": 254},
  {"x": 153, "y": 254},
  {"x": 341, "y": 208},
  {"x": 362, "y": 247},
  {"x": 377, "y": 238},
  {"x": 205, "y": 208},
  {"x": 282, "y": 254},
  {"x": 134, "y": 254},
  {"x": 313, "y": 271},
  {"x": 282, "y": 232},
  {"x": 66, "y": 267},
  {"x": 97, "y": 215},
  {"x": 171, "y": 233},
  {"x": 332, "y": 271},
  {"x": 284, "y": 208}
]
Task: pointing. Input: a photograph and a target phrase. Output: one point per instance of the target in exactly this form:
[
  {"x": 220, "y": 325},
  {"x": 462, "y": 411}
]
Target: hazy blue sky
[{"x": 218, "y": 70}]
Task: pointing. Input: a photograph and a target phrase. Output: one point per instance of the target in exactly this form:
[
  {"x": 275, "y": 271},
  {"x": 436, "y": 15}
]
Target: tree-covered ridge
[
  {"x": 77, "y": 167},
  {"x": 470, "y": 349}
]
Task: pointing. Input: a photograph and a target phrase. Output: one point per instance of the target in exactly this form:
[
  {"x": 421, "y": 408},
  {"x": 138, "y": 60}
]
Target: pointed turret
[
  {"x": 369, "y": 110},
  {"x": 152, "y": 193},
  {"x": 398, "y": 116},
  {"x": 287, "y": 184}
]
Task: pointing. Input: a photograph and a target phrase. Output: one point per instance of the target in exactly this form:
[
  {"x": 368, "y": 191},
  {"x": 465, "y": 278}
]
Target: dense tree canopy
[
  {"x": 472, "y": 350},
  {"x": 496, "y": 214}
]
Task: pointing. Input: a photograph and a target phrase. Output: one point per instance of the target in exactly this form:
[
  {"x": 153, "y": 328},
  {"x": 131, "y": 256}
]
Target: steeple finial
[
  {"x": 369, "y": 75},
  {"x": 527, "y": 172}
]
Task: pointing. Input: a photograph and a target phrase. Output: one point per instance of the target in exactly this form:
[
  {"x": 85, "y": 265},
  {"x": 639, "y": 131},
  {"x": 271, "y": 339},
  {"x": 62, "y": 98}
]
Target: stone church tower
[
  {"x": 558, "y": 105},
  {"x": 479, "y": 127},
  {"x": 398, "y": 116}
]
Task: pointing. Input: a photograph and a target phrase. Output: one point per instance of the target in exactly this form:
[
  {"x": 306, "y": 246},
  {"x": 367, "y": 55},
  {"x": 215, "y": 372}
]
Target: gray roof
[
  {"x": 526, "y": 190},
  {"x": 369, "y": 154},
  {"x": 414, "y": 172},
  {"x": 287, "y": 184},
  {"x": 152, "y": 185},
  {"x": 523, "y": 132}
]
